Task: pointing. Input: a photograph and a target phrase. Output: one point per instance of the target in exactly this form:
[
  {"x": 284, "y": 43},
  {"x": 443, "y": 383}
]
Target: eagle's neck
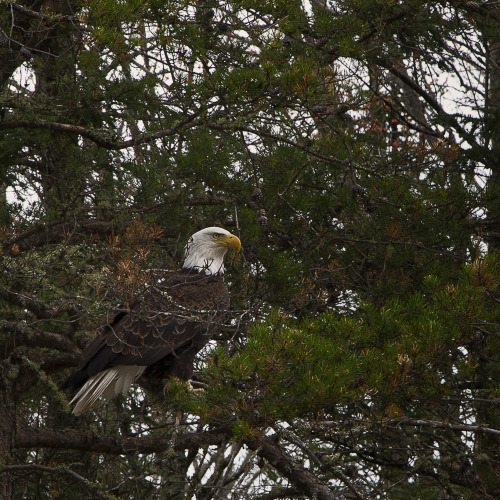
[{"x": 204, "y": 259}]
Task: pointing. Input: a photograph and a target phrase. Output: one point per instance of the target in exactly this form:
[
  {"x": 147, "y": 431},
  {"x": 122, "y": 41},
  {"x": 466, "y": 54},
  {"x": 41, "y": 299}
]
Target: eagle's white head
[{"x": 205, "y": 250}]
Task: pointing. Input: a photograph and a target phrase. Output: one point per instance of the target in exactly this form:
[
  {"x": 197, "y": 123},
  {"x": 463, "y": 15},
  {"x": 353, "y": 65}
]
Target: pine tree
[{"x": 354, "y": 146}]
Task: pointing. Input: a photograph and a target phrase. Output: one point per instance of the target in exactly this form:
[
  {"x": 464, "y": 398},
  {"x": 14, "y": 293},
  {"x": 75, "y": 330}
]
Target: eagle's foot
[
  {"x": 176, "y": 385},
  {"x": 195, "y": 390}
]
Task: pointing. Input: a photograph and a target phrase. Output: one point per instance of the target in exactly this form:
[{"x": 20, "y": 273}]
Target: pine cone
[{"x": 257, "y": 194}]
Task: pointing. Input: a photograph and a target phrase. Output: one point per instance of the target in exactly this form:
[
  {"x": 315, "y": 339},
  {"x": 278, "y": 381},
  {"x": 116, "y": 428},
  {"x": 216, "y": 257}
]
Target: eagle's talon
[{"x": 195, "y": 390}]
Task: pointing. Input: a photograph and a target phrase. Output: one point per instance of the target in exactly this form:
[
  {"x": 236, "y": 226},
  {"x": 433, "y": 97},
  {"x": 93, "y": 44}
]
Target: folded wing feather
[{"x": 107, "y": 384}]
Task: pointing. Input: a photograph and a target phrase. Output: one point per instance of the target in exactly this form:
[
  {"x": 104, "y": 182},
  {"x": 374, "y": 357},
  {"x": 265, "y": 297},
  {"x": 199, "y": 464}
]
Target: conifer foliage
[{"x": 354, "y": 146}]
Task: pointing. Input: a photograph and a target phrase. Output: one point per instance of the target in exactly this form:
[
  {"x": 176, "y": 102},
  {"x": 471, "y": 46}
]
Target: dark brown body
[{"x": 163, "y": 329}]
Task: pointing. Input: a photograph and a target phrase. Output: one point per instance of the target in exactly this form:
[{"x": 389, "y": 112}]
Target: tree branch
[
  {"x": 436, "y": 424},
  {"x": 446, "y": 425},
  {"x": 41, "y": 235},
  {"x": 102, "y": 138},
  {"x": 266, "y": 447},
  {"x": 22, "y": 334},
  {"x": 446, "y": 117},
  {"x": 53, "y": 16},
  {"x": 30, "y": 437}
]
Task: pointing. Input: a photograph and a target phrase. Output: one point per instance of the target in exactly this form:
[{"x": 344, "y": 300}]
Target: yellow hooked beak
[{"x": 231, "y": 241}]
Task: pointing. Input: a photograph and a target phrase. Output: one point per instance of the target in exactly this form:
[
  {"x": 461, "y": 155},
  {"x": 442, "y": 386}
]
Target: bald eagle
[{"x": 159, "y": 333}]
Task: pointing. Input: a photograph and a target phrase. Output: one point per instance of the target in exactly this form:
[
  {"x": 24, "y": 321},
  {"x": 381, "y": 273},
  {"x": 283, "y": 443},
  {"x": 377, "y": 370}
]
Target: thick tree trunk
[
  {"x": 7, "y": 432},
  {"x": 487, "y": 445},
  {"x": 492, "y": 121}
]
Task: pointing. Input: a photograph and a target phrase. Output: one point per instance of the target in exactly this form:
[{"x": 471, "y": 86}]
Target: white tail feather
[{"x": 107, "y": 384}]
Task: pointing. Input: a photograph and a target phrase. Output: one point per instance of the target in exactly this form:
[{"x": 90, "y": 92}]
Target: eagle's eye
[{"x": 217, "y": 236}]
